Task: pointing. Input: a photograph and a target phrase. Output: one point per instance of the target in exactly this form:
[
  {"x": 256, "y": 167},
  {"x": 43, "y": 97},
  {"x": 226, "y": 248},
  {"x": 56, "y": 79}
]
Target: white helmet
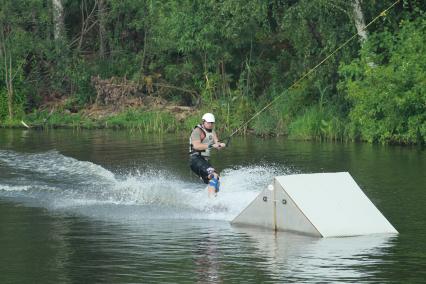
[{"x": 208, "y": 117}]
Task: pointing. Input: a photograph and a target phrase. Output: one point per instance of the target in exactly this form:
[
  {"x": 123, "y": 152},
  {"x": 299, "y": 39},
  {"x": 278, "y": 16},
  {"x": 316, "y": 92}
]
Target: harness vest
[{"x": 206, "y": 139}]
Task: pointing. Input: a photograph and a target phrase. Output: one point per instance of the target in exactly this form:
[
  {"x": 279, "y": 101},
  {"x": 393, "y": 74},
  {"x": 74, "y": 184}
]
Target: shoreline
[{"x": 153, "y": 122}]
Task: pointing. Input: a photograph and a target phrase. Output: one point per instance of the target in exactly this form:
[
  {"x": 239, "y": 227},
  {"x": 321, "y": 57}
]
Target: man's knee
[
  {"x": 212, "y": 173},
  {"x": 210, "y": 170}
]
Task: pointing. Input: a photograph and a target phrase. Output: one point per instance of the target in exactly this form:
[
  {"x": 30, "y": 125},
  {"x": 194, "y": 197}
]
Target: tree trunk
[
  {"x": 87, "y": 22},
  {"x": 8, "y": 79},
  {"x": 145, "y": 44},
  {"x": 102, "y": 30},
  {"x": 359, "y": 20},
  {"x": 10, "y": 89},
  {"x": 58, "y": 20}
]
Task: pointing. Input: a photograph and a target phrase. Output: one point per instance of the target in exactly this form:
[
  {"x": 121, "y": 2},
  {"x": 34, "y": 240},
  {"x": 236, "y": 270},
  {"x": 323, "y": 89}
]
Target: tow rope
[{"x": 310, "y": 71}]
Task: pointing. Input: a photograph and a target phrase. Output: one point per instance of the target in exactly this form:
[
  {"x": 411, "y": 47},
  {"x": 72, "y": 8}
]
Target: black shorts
[{"x": 201, "y": 167}]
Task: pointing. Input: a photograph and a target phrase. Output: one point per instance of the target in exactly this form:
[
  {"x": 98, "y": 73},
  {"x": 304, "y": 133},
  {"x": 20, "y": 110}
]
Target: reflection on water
[
  {"x": 105, "y": 206},
  {"x": 347, "y": 259}
]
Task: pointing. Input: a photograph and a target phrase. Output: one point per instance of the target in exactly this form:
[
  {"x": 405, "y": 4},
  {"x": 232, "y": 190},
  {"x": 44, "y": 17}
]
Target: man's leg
[
  {"x": 214, "y": 183},
  {"x": 207, "y": 173},
  {"x": 214, "y": 179},
  {"x": 202, "y": 168}
]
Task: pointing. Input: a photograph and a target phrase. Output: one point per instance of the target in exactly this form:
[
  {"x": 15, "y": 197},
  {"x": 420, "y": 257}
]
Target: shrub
[{"x": 388, "y": 95}]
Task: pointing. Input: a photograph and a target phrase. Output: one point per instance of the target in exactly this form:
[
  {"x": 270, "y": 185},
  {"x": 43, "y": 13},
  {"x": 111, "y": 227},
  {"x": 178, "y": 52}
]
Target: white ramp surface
[{"x": 323, "y": 205}]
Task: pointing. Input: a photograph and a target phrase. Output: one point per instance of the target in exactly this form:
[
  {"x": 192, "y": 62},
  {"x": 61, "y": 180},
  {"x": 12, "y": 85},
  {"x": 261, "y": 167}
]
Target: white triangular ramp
[
  {"x": 264, "y": 212},
  {"x": 260, "y": 211},
  {"x": 289, "y": 217},
  {"x": 326, "y": 204}
]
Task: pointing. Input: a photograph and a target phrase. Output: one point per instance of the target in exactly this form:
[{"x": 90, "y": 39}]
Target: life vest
[{"x": 206, "y": 139}]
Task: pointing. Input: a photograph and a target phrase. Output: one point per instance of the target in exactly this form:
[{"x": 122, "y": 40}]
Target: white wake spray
[{"x": 60, "y": 182}]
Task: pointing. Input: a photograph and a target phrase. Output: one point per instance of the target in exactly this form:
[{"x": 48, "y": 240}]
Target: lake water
[{"x": 121, "y": 207}]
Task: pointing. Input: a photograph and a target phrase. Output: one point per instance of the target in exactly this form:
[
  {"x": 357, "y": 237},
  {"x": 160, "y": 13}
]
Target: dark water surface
[{"x": 119, "y": 207}]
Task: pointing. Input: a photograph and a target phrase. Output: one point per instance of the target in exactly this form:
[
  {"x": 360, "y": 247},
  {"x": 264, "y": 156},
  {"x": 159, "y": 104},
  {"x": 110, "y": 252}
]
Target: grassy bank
[
  {"x": 311, "y": 125},
  {"x": 315, "y": 124},
  {"x": 134, "y": 120}
]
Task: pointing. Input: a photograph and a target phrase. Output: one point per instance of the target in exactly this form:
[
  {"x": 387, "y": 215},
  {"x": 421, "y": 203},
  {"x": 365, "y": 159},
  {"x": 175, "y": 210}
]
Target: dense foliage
[
  {"x": 387, "y": 88},
  {"x": 230, "y": 57}
]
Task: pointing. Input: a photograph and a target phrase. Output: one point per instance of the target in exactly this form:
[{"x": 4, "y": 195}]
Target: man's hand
[{"x": 219, "y": 145}]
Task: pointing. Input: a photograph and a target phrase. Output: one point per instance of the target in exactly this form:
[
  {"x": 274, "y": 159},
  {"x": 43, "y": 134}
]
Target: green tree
[{"x": 389, "y": 98}]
